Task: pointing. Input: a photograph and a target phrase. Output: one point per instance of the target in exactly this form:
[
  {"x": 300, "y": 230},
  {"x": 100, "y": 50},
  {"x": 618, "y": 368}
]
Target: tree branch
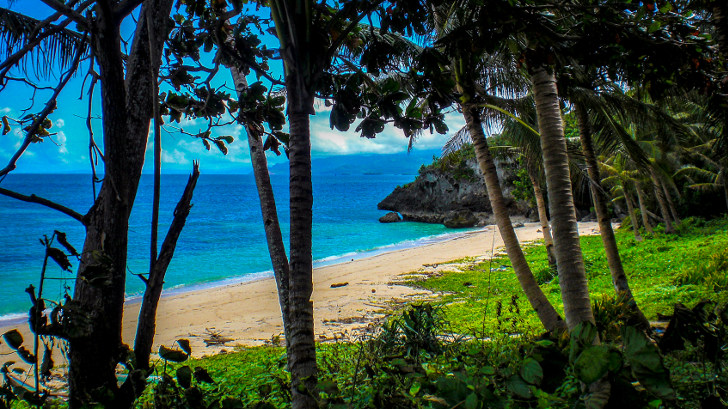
[
  {"x": 147, "y": 313},
  {"x": 45, "y": 202},
  {"x": 125, "y": 7},
  {"x": 68, "y": 11}
]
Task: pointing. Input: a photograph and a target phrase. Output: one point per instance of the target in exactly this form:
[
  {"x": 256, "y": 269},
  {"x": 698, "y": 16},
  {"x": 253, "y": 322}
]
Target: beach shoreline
[{"x": 347, "y": 296}]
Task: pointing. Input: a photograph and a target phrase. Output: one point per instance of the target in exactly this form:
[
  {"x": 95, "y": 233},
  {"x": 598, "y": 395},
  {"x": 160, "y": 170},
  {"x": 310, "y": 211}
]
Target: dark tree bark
[
  {"x": 632, "y": 215},
  {"x": 643, "y": 208},
  {"x": 148, "y": 312},
  {"x": 96, "y": 347},
  {"x": 662, "y": 202},
  {"x": 545, "y": 311},
  {"x": 569, "y": 259},
  {"x": 670, "y": 203}
]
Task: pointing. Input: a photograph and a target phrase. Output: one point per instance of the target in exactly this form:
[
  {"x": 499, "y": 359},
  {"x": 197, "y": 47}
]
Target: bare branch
[
  {"x": 148, "y": 311},
  {"x": 69, "y": 11},
  {"x": 125, "y": 7},
  {"x": 45, "y": 202}
]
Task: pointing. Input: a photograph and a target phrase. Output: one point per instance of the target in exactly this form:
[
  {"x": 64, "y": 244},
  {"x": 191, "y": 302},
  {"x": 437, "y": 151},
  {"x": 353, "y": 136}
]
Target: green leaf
[
  {"x": 13, "y": 338},
  {"x": 221, "y": 145},
  {"x": 582, "y": 336},
  {"x": 471, "y": 402},
  {"x": 592, "y": 364},
  {"x": 185, "y": 345},
  {"x": 184, "y": 376},
  {"x": 26, "y": 356},
  {"x": 61, "y": 237},
  {"x": 487, "y": 370},
  {"x": 519, "y": 387},
  {"x": 531, "y": 371},
  {"x": 59, "y": 257},
  {"x": 6, "y": 125},
  {"x": 227, "y": 138},
  {"x": 203, "y": 376},
  {"x": 206, "y": 143},
  {"x": 172, "y": 354},
  {"x": 232, "y": 403},
  {"x": 646, "y": 362}
]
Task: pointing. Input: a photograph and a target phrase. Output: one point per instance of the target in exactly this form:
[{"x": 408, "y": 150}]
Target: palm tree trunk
[
  {"x": 271, "y": 223},
  {"x": 572, "y": 274},
  {"x": 632, "y": 215},
  {"x": 643, "y": 208},
  {"x": 301, "y": 346},
  {"x": 670, "y": 204},
  {"x": 662, "y": 202},
  {"x": 619, "y": 277},
  {"x": 545, "y": 311},
  {"x": 543, "y": 219}
]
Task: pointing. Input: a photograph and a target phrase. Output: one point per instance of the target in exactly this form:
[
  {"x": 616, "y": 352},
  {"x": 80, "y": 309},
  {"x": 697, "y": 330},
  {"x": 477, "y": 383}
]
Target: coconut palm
[{"x": 478, "y": 79}]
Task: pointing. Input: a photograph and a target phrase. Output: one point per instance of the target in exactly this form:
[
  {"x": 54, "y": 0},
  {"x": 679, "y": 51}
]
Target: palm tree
[
  {"x": 620, "y": 178},
  {"x": 473, "y": 73}
]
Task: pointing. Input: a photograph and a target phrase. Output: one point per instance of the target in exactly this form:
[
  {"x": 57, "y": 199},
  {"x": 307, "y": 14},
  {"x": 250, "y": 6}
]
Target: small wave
[
  {"x": 406, "y": 244},
  {"x": 12, "y": 319}
]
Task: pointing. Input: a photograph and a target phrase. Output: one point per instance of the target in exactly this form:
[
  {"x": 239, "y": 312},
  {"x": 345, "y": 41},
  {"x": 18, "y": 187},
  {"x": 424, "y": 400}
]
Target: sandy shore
[{"x": 248, "y": 313}]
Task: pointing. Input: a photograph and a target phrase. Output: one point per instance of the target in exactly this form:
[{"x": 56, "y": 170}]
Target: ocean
[{"x": 222, "y": 242}]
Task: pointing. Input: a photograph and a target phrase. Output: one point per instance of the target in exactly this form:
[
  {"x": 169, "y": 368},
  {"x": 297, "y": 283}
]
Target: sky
[{"x": 67, "y": 150}]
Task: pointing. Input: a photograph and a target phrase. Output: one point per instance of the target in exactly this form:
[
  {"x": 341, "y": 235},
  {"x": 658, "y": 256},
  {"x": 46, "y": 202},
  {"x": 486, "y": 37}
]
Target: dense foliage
[{"x": 479, "y": 346}]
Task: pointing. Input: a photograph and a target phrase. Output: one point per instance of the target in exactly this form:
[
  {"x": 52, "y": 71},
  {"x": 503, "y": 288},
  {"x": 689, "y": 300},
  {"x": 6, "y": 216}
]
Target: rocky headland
[{"x": 451, "y": 191}]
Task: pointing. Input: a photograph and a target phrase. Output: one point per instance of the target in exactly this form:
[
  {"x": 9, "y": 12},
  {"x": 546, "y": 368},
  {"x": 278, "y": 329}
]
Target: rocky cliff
[{"x": 451, "y": 191}]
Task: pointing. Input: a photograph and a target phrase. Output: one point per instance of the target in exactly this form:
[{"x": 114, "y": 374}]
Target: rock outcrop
[
  {"x": 391, "y": 217},
  {"x": 451, "y": 192}
]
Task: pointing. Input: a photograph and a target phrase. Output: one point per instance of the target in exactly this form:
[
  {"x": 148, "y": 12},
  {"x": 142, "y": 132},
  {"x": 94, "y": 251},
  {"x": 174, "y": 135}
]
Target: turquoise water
[{"x": 223, "y": 239}]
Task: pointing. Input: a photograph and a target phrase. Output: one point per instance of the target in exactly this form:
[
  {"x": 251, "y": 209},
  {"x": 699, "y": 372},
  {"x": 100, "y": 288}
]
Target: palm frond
[{"x": 55, "y": 51}]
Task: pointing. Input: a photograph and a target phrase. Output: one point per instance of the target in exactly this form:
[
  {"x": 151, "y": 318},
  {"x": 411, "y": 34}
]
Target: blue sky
[{"x": 67, "y": 152}]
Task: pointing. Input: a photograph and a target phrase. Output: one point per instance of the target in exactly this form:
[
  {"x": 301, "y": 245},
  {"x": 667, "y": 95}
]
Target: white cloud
[
  {"x": 5, "y": 110},
  {"x": 60, "y": 139},
  {"x": 324, "y": 140},
  {"x": 59, "y": 123},
  {"x": 175, "y": 156}
]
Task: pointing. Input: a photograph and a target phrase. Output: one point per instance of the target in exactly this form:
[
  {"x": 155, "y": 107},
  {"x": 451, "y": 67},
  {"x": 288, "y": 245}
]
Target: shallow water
[{"x": 223, "y": 240}]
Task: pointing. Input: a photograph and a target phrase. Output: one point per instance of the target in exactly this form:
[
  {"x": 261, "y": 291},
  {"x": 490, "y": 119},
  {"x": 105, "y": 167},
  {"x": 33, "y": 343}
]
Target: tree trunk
[
  {"x": 643, "y": 208},
  {"x": 619, "y": 277},
  {"x": 543, "y": 219},
  {"x": 148, "y": 312},
  {"x": 632, "y": 215},
  {"x": 271, "y": 223},
  {"x": 572, "y": 274},
  {"x": 95, "y": 340},
  {"x": 301, "y": 346},
  {"x": 545, "y": 311},
  {"x": 662, "y": 202},
  {"x": 670, "y": 204}
]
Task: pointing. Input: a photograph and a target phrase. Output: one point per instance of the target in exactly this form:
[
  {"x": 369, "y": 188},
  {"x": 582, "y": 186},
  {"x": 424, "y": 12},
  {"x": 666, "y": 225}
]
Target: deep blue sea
[{"x": 223, "y": 240}]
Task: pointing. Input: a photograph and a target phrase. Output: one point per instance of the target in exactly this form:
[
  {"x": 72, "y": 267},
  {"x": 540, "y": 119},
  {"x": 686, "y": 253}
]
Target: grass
[{"x": 662, "y": 270}]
